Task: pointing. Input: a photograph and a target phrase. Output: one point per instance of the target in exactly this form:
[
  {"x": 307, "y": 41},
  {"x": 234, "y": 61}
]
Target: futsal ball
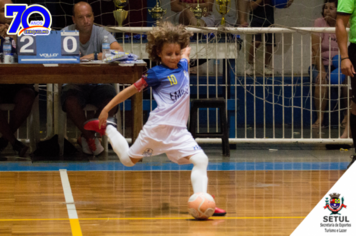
[
  {"x": 279, "y": 3},
  {"x": 201, "y": 206}
]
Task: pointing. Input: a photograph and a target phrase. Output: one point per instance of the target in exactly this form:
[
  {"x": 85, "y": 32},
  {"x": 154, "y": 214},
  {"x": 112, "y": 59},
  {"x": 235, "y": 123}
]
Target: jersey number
[{"x": 172, "y": 79}]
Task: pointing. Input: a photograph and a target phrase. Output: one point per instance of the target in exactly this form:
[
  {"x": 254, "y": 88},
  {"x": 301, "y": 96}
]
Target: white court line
[{"x": 72, "y": 211}]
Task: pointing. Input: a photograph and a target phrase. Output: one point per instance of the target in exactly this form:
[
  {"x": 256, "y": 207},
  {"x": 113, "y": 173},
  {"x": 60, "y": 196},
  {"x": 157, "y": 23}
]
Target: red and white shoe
[
  {"x": 93, "y": 125},
  {"x": 219, "y": 212},
  {"x": 91, "y": 146}
]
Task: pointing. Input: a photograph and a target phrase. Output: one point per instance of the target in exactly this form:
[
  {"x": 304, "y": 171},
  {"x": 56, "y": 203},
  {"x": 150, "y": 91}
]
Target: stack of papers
[{"x": 119, "y": 56}]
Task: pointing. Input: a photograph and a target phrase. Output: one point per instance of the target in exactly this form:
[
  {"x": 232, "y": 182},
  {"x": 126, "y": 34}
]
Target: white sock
[
  {"x": 119, "y": 145},
  {"x": 199, "y": 175}
]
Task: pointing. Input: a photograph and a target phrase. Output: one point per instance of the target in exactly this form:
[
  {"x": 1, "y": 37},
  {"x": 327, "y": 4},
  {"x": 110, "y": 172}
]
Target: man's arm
[
  {"x": 113, "y": 46},
  {"x": 341, "y": 35},
  {"x": 116, "y": 46}
]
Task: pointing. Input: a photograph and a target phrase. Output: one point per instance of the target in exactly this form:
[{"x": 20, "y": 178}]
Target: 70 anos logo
[{"x": 21, "y": 14}]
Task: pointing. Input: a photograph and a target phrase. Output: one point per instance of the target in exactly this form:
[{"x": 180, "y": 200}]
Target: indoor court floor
[{"x": 265, "y": 192}]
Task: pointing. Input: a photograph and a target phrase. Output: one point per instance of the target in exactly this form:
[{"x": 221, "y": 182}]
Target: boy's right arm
[{"x": 119, "y": 98}]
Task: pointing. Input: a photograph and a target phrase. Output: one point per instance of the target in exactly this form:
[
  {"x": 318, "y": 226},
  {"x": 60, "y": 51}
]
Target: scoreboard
[{"x": 59, "y": 47}]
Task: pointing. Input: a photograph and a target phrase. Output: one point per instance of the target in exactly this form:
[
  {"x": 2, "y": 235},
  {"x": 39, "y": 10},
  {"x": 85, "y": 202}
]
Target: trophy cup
[
  {"x": 198, "y": 12},
  {"x": 120, "y": 14},
  {"x": 223, "y": 9},
  {"x": 157, "y": 12}
]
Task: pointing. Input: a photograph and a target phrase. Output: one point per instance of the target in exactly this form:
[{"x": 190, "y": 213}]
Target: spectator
[
  {"x": 237, "y": 15},
  {"x": 320, "y": 71},
  {"x": 186, "y": 17},
  {"x": 22, "y": 95},
  {"x": 242, "y": 11},
  {"x": 74, "y": 97},
  {"x": 346, "y": 13},
  {"x": 262, "y": 15}
]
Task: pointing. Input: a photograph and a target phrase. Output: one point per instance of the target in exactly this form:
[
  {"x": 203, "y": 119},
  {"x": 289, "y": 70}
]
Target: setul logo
[
  {"x": 46, "y": 55},
  {"x": 335, "y": 204}
]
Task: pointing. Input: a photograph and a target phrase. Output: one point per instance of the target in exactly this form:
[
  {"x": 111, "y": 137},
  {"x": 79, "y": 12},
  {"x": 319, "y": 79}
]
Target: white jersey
[{"x": 172, "y": 93}]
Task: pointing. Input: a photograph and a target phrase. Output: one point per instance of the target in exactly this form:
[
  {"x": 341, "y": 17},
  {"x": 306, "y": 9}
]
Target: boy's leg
[
  {"x": 117, "y": 141},
  {"x": 119, "y": 145},
  {"x": 199, "y": 177}
]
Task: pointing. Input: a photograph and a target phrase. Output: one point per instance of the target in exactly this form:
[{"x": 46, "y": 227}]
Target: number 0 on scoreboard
[{"x": 59, "y": 47}]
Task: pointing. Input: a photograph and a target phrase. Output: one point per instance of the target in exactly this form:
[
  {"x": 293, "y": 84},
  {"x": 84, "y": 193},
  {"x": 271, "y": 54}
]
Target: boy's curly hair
[{"x": 166, "y": 33}]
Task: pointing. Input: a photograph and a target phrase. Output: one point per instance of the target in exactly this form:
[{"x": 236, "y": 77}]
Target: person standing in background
[
  {"x": 262, "y": 15},
  {"x": 320, "y": 71},
  {"x": 346, "y": 12}
]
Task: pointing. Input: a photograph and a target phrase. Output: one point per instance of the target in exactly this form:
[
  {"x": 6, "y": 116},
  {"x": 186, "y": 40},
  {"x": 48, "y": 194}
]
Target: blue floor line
[{"x": 152, "y": 166}]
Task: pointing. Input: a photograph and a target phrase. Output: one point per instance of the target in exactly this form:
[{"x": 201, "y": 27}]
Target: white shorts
[
  {"x": 176, "y": 142},
  {"x": 209, "y": 20}
]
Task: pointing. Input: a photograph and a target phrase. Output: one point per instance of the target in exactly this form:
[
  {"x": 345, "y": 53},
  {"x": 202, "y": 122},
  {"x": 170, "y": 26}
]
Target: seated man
[
  {"x": 22, "y": 95},
  {"x": 75, "y": 97}
]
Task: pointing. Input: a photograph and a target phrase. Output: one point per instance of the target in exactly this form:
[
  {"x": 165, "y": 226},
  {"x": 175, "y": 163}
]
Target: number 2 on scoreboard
[{"x": 69, "y": 45}]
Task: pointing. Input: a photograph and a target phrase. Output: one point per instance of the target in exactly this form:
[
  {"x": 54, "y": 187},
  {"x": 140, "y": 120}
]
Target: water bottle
[
  {"x": 6, "y": 48},
  {"x": 105, "y": 47}
]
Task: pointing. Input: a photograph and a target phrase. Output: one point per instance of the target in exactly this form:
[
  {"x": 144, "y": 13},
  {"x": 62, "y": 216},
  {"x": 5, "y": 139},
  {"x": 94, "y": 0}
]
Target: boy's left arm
[{"x": 186, "y": 53}]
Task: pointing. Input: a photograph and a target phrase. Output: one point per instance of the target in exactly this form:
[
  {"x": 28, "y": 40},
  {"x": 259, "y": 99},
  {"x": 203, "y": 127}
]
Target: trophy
[
  {"x": 198, "y": 12},
  {"x": 157, "y": 12},
  {"x": 120, "y": 14},
  {"x": 223, "y": 9}
]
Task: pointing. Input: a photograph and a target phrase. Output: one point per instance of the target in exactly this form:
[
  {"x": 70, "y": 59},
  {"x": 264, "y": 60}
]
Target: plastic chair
[{"x": 211, "y": 103}]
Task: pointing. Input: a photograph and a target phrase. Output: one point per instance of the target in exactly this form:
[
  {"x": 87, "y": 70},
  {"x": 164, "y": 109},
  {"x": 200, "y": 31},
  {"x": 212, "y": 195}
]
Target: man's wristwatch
[{"x": 95, "y": 56}]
